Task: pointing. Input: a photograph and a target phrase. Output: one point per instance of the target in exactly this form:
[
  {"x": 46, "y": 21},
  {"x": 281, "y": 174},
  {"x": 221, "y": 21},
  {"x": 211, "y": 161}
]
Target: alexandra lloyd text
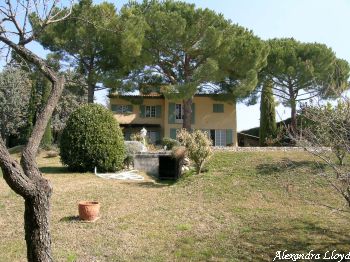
[{"x": 311, "y": 255}]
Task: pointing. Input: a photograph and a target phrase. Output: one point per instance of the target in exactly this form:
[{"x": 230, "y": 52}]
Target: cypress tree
[
  {"x": 268, "y": 127},
  {"x": 46, "y": 140}
]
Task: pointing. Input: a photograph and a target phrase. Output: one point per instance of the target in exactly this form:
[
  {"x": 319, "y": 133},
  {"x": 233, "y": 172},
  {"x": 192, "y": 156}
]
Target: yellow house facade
[{"x": 162, "y": 117}]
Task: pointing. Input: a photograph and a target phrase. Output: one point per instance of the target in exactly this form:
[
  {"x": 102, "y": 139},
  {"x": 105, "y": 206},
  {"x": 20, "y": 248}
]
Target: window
[
  {"x": 218, "y": 136},
  {"x": 178, "y": 112},
  {"x": 152, "y": 136},
  {"x": 150, "y": 111},
  {"x": 218, "y": 108},
  {"x": 121, "y": 109}
]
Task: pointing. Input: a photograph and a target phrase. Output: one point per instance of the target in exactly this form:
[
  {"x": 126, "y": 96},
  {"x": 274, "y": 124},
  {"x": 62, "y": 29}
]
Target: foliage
[
  {"x": 14, "y": 99},
  {"x": 329, "y": 126},
  {"x": 47, "y": 138},
  {"x": 301, "y": 71},
  {"x": 185, "y": 47},
  {"x": 198, "y": 145},
  {"x": 73, "y": 96},
  {"x": 96, "y": 41},
  {"x": 92, "y": 138},
  {"x": 169, "y": 143},
  {"x": 268, "y": 126},
  {"x": 137, "y": 137}
]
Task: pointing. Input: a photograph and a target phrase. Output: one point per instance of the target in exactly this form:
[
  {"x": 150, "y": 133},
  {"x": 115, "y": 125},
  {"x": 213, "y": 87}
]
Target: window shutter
[
  {"x": 171, "y": 113},
  {"x": 158, "y": 111},
  {"x": 158, "y": 137},
  {"x": 114, "y": 108},
  {"x": 229, "y": 135},
  {"x": 130, "y": 108},
  {"x": 142, "y": 111},
  {"x": 193, "y": 113},
  {"x": 218, "y": 108},
  {"x": 173, "y": 133}
]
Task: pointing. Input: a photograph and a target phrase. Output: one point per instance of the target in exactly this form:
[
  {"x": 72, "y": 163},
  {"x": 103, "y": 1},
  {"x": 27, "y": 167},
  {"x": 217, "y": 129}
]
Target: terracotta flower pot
[{"x": 89, "y": 210}]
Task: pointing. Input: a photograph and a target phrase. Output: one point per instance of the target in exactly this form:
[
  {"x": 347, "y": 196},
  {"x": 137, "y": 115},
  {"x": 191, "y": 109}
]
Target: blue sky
[{"x": 323, "y": 21}]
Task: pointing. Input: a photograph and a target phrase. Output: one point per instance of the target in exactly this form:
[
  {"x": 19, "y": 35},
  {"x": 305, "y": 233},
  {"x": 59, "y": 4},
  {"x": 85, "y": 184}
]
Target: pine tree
[{"x": 268, "y": 127}]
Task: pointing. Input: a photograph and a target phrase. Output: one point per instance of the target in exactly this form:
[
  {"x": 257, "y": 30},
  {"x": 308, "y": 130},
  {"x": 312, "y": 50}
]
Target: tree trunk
[
  {"x": 293, "y": 116},
  {"x": 37, "y": 223},
  {"x": 91, "y": 80},
  {"x": 187, "y": 118},
  {"x": 91, "y": 92}
]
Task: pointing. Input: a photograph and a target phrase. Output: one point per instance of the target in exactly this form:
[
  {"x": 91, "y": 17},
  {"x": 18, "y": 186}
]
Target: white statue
[{"x": 143, "y": 134}]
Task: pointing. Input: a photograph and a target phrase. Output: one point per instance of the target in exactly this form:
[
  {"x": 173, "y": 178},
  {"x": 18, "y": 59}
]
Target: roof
[
  {"x": 156, "y": 95},
  {"x": 132, "y": 95},
  {"x": 248, "y": 135}
]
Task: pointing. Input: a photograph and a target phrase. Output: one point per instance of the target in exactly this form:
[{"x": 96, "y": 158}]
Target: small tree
[
  {"x": 329, "y": 126},
  {"x": 198, "y": 145},
  {"x": 73, "y": 96},
  {"x": 14, "y": 99},
  {"x": 268, "y": 126}
]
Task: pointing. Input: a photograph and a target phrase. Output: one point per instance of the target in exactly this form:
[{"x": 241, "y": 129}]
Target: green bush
[
  {"x": 170, "y": 143},
  {"x": 92, "y": 138}
]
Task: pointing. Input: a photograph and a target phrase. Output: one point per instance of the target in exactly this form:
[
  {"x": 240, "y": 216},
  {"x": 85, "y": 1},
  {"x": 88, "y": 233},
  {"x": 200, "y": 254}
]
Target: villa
[{"x": 162, "y": 117}]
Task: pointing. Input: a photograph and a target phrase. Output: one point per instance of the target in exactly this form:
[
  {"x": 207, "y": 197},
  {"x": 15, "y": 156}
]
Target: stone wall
[
  {"x": 270, "y": 149},
  {"x": 148, "y": 162}
]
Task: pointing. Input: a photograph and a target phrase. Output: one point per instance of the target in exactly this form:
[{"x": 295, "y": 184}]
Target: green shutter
[
  {"x": 229, "y": 135},
  {"x": 158, "y": 111},
  {"x": 114, "y": 108},
  {"x": 173, "y": 133},
  {"x": 130, "y": 108},
  {"x": 218, "y": 108},
  {"x": 142, "y": 111},
  {"x": 193, "y": 113},
  {"x": 158, "y": 137},
  {"x": 171, "y": 113}
]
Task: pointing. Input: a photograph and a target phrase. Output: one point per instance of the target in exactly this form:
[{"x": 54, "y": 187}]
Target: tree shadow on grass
[
  {"x": 149, "y": 184},
  {"x": 288, "y": 165},
  {"x": 300, "y": 236},
  {"x": 70, "y": 219},
  {"x": 53, "y": 169}
]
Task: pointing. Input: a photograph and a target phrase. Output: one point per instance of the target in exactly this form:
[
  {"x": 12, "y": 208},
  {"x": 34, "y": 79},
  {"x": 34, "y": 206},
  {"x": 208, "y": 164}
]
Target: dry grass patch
[{"x": 248, "y": 206}]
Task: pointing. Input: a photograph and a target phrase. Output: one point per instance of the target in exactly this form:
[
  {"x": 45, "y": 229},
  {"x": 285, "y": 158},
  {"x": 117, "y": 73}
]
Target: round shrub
[{"x": 92, "y": 138}]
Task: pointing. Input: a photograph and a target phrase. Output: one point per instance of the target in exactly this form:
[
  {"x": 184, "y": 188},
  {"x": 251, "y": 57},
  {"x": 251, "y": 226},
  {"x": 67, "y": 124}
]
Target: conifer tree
[{"x": 268, "y": 127}]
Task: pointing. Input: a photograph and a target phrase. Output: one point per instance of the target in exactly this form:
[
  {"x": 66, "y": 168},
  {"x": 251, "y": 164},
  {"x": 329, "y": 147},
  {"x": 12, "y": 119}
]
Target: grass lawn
[{"x": 245, "y": 208}]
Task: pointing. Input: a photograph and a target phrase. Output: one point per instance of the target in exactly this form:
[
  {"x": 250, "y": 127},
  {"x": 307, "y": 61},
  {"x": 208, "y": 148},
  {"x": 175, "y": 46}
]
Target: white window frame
[
  {"x": 150, "y": 111},
  {"x": 121, "y": 109},
  {"x": 220, "y": 137},
  {"x": 179, "y": 113}
]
